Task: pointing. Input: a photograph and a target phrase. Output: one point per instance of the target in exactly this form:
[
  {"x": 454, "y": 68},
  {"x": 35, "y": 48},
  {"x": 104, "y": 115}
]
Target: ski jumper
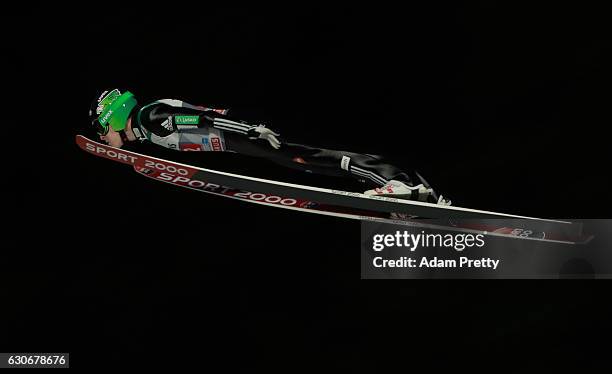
[{"x": 181, "y": 126}]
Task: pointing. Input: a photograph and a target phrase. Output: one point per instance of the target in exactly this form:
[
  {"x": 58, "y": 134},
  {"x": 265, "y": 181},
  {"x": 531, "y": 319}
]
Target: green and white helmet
[{"x": 111, "y": 109}]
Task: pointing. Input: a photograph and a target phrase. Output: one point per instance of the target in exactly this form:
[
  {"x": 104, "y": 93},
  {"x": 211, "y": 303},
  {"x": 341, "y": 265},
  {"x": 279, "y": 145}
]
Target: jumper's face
[{"x": 112, "y": 138}]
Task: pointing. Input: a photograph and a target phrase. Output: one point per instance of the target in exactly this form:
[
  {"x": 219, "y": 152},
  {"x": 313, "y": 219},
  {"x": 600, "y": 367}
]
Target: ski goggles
[{"x": 99, "y": 128}]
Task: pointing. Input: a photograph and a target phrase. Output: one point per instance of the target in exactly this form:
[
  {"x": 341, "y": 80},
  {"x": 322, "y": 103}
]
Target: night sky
[{"x": 501, "y": 107}]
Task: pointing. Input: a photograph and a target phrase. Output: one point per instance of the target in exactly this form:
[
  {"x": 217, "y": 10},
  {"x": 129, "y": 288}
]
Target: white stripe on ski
[
  {"x": 474, "y": 212},
  {"x": 364, "y": 218}
]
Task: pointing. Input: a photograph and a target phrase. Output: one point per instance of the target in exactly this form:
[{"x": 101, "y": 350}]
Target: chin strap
[{"x": 124, "y": 137}]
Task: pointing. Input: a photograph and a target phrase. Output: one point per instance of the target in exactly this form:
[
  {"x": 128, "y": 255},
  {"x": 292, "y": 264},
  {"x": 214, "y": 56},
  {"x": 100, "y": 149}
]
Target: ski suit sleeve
[
  {"x": 165, "y": 117},
  {"x": 168, "y": 119}
]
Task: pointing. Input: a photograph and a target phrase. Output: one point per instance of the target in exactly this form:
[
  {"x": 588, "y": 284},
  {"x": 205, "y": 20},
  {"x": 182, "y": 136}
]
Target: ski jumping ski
[{"x": 340, "y": 203}]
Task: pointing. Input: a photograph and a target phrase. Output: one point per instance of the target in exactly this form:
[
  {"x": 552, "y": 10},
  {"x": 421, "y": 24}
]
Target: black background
[{"x": 502, "y": 107}]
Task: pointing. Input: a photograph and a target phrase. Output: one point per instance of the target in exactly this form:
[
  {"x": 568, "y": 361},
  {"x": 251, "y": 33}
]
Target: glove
[{"x": 262, "y": 132}]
